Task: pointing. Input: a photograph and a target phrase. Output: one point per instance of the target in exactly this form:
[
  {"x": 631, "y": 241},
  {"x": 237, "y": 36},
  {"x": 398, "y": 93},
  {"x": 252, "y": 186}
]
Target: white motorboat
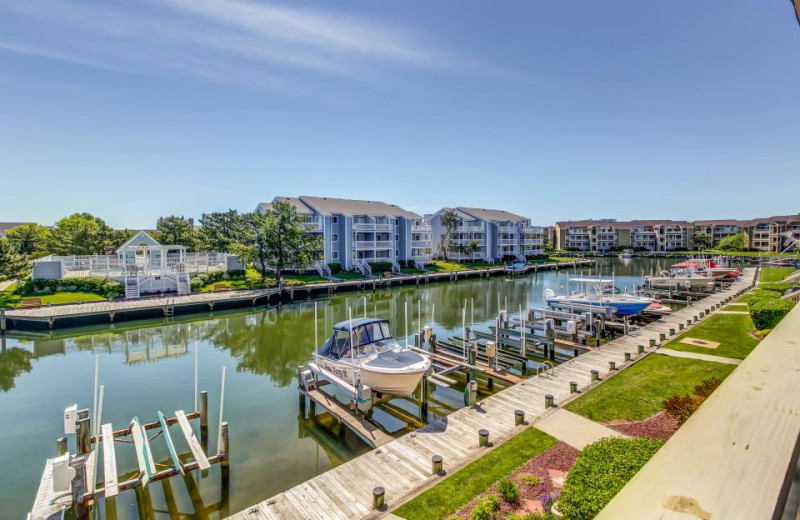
[
  {"x": 680, "y": 279},
  {"x": 707, "y": 267},
  {"x": 627, "y": 253},
  {"x": 377, "y": 360},
  {"x": 599, "y": 292}
]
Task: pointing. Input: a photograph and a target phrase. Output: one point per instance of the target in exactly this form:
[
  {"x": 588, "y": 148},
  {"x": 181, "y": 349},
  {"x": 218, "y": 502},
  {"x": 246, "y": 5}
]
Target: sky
[{"x": 134, "y": 109}]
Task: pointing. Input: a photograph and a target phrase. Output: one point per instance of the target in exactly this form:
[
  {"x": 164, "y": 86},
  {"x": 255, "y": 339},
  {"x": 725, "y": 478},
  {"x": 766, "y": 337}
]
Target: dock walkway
[{"x": 403, "y": 466}]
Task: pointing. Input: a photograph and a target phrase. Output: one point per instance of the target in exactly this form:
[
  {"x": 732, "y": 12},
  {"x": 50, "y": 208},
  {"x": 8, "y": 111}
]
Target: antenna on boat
[
  {"x": 96, "y": 376},
  {"x": 464, "y": 331},
  {"x": 352, "y": 345},
  {"x": 472, "y": 314},
  {"x": 419, "y": 323},
  {"x": 405, "y": 304},
  {"x": 196, "y": 365},
  {"x": 316, "y": 331},
  {"x": 365, "y": 305},
  {"x": 221, "y": 405}
]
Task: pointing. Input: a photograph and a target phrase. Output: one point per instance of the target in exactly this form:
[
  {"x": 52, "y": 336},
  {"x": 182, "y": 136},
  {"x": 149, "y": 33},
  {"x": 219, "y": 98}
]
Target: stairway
[
  {"x": 131, "y": 288},
  {"x": 395, "y": 266},
  {"x": 322, "y": 268},
  {"x": 519, "y": 256},
  {"x": 184, "y": 287}
]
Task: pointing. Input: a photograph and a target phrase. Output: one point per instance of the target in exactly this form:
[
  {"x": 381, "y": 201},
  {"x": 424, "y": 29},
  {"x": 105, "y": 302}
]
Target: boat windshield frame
[{"x": 370, "y": 338}]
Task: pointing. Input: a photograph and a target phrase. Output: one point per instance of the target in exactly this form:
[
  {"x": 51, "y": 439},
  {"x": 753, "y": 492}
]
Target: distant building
[
  {"x": 497, "y": 235},
  {"x": 356, "y": 233},
  {"x": 5, "y": 227}
]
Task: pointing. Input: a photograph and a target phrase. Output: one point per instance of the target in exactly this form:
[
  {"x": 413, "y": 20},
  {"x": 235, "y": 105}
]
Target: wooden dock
[
  {"x": 403, "y": 466},
  {"x": 367, "y": 431}
]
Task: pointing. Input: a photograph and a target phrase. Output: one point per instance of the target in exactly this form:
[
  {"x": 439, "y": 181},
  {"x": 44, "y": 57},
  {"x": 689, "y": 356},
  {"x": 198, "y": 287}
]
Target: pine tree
[{"x": 13, "y": 264}]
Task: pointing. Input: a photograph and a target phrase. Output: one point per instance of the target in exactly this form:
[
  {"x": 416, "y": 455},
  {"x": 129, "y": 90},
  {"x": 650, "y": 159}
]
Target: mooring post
[
  {"x": 225, "y": 449},
  {"x": 436, "y": 465},
  {"x": 2, "y": 321},
  {"x": 84, "y": 435},
  {"x": 627, "y": 357},
  {"x": 595, "y": 375},
  {"x": 519, "y": 417},
  {"x": 483, "y": 438},
  {"x": 573, "y": 387},
  {"x": 473, "y": 392},
  {"x": 424, "y": 400},
  {"x": 490, "y": 383},
  {"x": 204, "y": 418},
  {"x": 612, "y": 366},
  {"x": 672, "y": 331},
  {"x": 641, "y": 348},
  {"x": 652, "y": 342},
  {"x": 662, "y": 337},
  {"x": 680, "y": 326},
  {"x": 548, "y": 400},
  {"x": 61, "y": 446},
  {"x": 378, "y": 499},
  {"x": 688, "y": 322}
]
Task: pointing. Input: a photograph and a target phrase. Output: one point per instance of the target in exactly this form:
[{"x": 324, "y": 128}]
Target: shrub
[
  {"x": 707, "y": 387},
  {"x": 767, "y": 313},
  {"x": 379, "y": 267},
  {"x": 602, "y": 469},
  {"x": 762, "y": 294},
  {"x": 335, "y": 267},
  {"x": 102, "y": 286},
  {"x": 681, "y": 407},
  {"x": 531, "y": 480},
  {"x": 485, "y": 509},
  {"x": 509, "y": 491}
]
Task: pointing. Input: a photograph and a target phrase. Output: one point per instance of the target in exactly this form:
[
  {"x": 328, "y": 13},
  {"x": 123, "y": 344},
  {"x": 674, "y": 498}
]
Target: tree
[
  {"x": 732, "y": 243},
  {"x": 174, "y": 230},
  {"x": 469, "y": 248},
  {"x": 449, "y": 221},
  {"x": 221, "y": 231},
  {"x": 701, "y": 241},
  {"x": 13, "y": 264},
  {"x": 29, "y": 239},
  {"x": 279, "y": 240},
  {"x": 85, "y": 234}
]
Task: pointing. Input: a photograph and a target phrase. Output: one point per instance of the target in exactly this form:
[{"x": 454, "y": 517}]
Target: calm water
[{"x": 148, "y": 366}]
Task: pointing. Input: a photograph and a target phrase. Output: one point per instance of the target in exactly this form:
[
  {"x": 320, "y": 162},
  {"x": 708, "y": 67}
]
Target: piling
[
  {"x": 483, "y": 438},
  {"x": 225, "y": 449},
  {"x": 84, "y": 432},
  {"x": 548, "y": 400},
  {"x": 612, "y": 366},
  {"x": 680, "y": 326},
  {"x": 2, "y": 321},
  {"x": 573, "y": 387},
  {"x": 204, "y": 415},
  {"x": 595, "y": 375},
  {"x": 662, "y": 337},
  {"x": 378, "y": 498},
  {"x": 423, "y": 407},
  {"x": 641, "y": 348},
  {"x": 436, "y": 465},
  {"x": 627, "y": 357},
  {"x": 671, "y": 331},
  {"x": 519, "y": 417},
  {"x": 652, "y": 343},
  {"x": 473, "y": 392},
  {"x": 61, "y": 446}
]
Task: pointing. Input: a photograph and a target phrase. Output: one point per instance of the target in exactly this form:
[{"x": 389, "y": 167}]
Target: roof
[
  {"x": 298, "y": 204},
  {"x": 622, "y": 225},
  {"x": 460, "y": 214},
  {"x": 350, "y": 207},
  {"x": 497, "y": 215},
  {"x": 729, "y": 222},
  {"x": 8, "y": 226},
  {"x": 143, "y": 237},
  {"x": 358, "y": 322}
]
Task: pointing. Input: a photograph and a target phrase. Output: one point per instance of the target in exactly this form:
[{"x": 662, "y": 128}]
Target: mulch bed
[
  {"x": 660, "y": 426},
  {"x": 549, "y": 468}
]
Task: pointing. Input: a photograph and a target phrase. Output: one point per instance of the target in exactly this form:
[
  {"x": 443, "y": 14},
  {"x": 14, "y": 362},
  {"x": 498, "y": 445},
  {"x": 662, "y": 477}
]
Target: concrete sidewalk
[
  {"x": 575, "y": 430},
  {"x": 697, "y": 355}
]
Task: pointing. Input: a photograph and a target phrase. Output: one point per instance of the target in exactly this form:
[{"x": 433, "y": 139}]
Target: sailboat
[
  {"x": 596, "y": 293},
  {"x": 377, "y": 360}
]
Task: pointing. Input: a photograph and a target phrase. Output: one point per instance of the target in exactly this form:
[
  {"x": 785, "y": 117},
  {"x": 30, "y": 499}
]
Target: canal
[{"x": 148, "y": 366}]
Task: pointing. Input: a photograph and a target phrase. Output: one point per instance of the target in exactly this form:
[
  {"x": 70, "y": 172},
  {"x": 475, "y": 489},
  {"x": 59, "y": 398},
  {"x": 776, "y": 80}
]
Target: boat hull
[
  {"x": 392, "y": 381},
  {"x": 621, "y": 308},
  {"x": 697, "y": 282}
]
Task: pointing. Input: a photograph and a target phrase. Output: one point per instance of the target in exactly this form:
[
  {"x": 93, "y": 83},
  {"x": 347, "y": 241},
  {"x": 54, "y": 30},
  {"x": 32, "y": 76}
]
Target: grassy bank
[
  {"x": 460, "y": 488},
  {"x": 731, "y": 331},
  {"x": 637, "y": 392},
  {"x": 775, "y": 274}
]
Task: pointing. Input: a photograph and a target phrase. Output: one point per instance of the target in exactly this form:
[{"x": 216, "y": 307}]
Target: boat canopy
[
  {"x": 590, "y": 280},
  {"x": 367, "y": 333}
]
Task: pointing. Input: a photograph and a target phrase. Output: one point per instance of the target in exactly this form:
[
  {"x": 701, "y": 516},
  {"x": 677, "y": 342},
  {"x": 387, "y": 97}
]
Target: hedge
[
  {"x": 767, "y": 313},
  {"x": 602, "y": 469},
  {"x": 335, "y": 267},
  {"x": 380, "y": 266},
  {"x": 201, "y": 280},
  {"x": 102, "y": 286}
]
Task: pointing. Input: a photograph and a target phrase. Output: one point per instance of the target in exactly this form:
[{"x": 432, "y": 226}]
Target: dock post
[
  {"x": 519, "y": 417},
  {"x": 641, "y": 348},
  {"x": 84, "y": 434},
  {"x": 436, "y": 465},
  {"x": 483, "y": 438},
  {"x": 573, "y": 387},
  {"x": 423, "y": 407},
  {"x": 473, "y": 392},
  {"x": 680, "y": 326},
  {"x": 595, "y": 375},
  {"x": 612, "y": 366},
  {"x": 378, "y": 500},
  {"x": 627, "y": 357},
  {"x": 662, "y": 337},
  {"x": 2, "y": 321},
  {"x": 688, "y": 322},
  {"x": 61, "y": 446},
  {"x": 204, "y": 418},
  {"x": 548, "y": 400},
  {"x": 225, "y": 449},
  {"x": 672, "y": 331},
  {"x": 652, "y": 342},
  {"x": 490, "y": 383}
]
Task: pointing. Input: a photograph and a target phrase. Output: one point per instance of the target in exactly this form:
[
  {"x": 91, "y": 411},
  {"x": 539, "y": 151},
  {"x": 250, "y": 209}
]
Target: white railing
[
  {"x": 384, "y": 244},
  {"x": 508, "y": 241},
  {"x": 533, "y": 230},
  {"x": 532, "y": 241},
  {"x": 421, "y": 228},
  {"x": 470, "y": 228},
  {"x": 459, "y": 241},
  {"x": 421, "y": 243},
  {"x": 364, "y": 244},
  {"x": 313, "y": 224},
  {"x": 370, "y": 226}
]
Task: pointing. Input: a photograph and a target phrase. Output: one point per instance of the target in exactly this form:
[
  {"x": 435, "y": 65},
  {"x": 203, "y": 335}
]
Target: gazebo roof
[{"x": 143, "y": 241}]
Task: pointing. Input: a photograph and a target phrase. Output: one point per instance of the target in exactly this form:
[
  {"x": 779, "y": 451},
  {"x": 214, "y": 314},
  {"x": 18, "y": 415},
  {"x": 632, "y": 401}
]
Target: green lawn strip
[
  {"x": 637, "y": 392},
  {"x": 775, "y": 274},
  {"x": 731, "y": 331},
  {"x": 444, "y": 266},
  {"x": 411, "y": 270},
  {"x": 349, "y": 275},
  {"x": 9, "y": 299},
  {"x": 460, "y": 488},
  {"x": 304, "y": 278}
]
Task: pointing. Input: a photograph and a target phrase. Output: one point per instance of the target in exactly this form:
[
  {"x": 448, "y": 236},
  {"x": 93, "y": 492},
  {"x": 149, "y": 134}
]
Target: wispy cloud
[{"x": 232, "y": 41}]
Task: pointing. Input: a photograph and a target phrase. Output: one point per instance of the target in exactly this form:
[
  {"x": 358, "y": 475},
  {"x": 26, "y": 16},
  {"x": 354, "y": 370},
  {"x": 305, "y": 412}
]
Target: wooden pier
[
  {"x": 406, "y": 465},
  {"x": 366, "y": 430}
]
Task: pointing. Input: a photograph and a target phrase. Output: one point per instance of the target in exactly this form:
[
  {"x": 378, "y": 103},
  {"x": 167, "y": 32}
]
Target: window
[
  {"x": 335, "y": 237},
  {"x": 335, "y": 220},
  {"x": 397, "y": 222},
  {"x": 396, "y": 252},
  {"x": 397, "y": 238},
  {"x": 335, "y": 255}
]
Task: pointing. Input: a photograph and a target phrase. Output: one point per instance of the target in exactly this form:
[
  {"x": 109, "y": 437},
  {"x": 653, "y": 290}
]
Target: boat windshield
[{"x": 368, "y": 339}]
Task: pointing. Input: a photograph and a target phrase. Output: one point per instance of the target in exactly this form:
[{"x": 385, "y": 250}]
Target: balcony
[
  {"x": 313, "y": 224},
  {"x": 508, "y": 241},
  {"x": 464, "y": 241},
  {"x": 372, "y": 226},
  {"x": 532, "y": 241},
  {"x": 421, "y": 228},
  {"x": 421, "y": 243},
  {"x": 508, "y": 229},
  {"x": 533, "y": 230},
  {"x": 470, "y": 228}
]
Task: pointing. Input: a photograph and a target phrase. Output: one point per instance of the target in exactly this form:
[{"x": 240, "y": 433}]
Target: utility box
[
  {"x": 70, "y": 419},
  {"x": 63, "y": 474},
  {"x": 364, "y": 398},
  {"x": 572, "y": 327}
]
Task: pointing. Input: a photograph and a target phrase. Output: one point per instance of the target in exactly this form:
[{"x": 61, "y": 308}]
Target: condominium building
[
  {"x": 495, "y": 235},
  {"x": 772, "y": 234},
  {"x": 608, "y": 235},
  {"x": 356, "y": 233}
]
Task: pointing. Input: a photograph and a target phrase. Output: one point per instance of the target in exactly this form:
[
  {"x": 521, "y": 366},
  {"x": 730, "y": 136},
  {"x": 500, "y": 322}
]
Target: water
[{"x": 148, "y": 366}]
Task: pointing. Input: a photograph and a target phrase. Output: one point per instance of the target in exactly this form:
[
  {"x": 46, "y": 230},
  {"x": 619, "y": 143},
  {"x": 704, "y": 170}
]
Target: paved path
[
  {"x": 697, "y": 355},
  {"x": 5, "y": 285},
  {"x": 574, "y": 429}
]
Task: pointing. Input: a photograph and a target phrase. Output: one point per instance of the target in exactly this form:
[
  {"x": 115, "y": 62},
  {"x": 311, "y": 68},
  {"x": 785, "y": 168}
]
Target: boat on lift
[
  {"x": 364, "y": 352},
  {"x": 707, "y": 267},
  {"x": 599, "y": 292},
  {"x": 680, "y": 278}
]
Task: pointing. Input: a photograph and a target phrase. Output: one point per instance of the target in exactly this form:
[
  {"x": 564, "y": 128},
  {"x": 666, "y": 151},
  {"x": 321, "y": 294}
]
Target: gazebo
[{"x": 143, "y": 255}]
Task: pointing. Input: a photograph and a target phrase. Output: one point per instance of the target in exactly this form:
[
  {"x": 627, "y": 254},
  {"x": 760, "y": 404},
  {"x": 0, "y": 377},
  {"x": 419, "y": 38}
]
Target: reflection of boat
[
  {"x": 517, "y": 267},
  {"x": 377, "y": 361},
  {"x": 596, "y": 292},
  {"x": 679, "y": 279},
  {"x": 626, "y": 254}
]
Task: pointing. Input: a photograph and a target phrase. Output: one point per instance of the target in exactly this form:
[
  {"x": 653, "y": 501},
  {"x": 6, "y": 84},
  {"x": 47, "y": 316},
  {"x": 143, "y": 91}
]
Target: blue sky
[{"x": 132, "y": 109}]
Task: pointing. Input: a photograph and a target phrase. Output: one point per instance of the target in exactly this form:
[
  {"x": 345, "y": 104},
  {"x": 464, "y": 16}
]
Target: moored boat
[
  {"x": 596, "y": 293},
  {"x": 377, "y": 360},
  {"x": 680, "y": 279}
]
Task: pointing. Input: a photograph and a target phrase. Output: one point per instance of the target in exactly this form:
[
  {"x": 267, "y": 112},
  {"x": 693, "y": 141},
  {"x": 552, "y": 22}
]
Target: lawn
[
  {"x": 463, "y": 486},
  {"x": 9, "y": 299},
  {"x": 731, "y": 331},
  {"x": 349, "y": 275},
  {"x": 637, "y": 392},
  {"x": 304, "y": 278},
  {"x": 411, "y": 270},
  {"x": 444, "y": 267},
  {"x": 775, "y": 274}
]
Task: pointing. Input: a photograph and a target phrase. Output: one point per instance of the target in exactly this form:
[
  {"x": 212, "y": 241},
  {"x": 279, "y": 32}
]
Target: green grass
[
  {"x": 637, "y": 392},
  {"x": 349, "y": 275},
  {"x": 563, "y": 259},
  {"x": 775, "y": 274},
  {"x": 480, "y": 265},
  {"x": 304, "y": 278},
  {"x": 731, "y": 331},
  {"x": 444, "y": 267},
  {"x": 411, "y": 270},
  {"x": 462, "y": 487},
  {"x": 9, "y": 299}
]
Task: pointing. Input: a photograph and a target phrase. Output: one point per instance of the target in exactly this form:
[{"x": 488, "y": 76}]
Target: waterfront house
[
  {"x": 357, "y": 233},
  {"x": 496, "y": 234}
]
